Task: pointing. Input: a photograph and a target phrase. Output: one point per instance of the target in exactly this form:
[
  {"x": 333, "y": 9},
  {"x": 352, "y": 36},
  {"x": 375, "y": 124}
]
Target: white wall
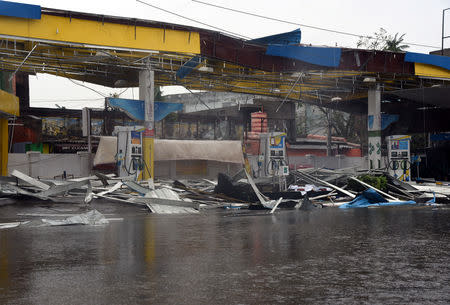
[
  {"x": 36, "y": 164},
  {"x": 40, "y": 165}
]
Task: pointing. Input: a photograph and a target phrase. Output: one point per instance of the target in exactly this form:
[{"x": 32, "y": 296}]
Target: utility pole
[{"x": 443, "y": 30}]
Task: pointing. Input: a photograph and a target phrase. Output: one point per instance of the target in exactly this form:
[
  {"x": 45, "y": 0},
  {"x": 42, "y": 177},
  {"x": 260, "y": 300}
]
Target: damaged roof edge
[
  {"x": 127, "y": 21},
  {"x": 240, "y": 51}
]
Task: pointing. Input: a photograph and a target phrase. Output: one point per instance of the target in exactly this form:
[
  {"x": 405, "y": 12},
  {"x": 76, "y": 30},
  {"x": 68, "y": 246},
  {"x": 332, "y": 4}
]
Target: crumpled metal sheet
[{"x": 92, "y": 218}]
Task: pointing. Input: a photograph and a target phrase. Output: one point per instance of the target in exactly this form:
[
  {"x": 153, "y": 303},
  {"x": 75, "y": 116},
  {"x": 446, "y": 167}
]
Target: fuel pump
[
  {"x": 399, "y": 156},
  {"x": 272, "y": 158},
  {"x": 129, "y": 150}
]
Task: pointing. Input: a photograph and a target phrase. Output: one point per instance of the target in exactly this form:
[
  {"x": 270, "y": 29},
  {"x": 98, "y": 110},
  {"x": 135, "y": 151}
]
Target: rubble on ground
[{"x": 306, "y": 189}]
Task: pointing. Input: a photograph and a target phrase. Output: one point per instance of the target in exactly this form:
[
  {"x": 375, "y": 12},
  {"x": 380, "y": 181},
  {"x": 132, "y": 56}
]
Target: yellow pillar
[
  {"x": 3, "y": 146},
  {"x": 9, "y": 106}
]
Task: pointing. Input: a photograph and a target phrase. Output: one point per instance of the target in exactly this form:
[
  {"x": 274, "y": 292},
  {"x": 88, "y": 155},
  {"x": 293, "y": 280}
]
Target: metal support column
[
  {"x": 374, "y": 127},
  {"x": 146, "y": 93},
  {"x": 443, "y": 31}
]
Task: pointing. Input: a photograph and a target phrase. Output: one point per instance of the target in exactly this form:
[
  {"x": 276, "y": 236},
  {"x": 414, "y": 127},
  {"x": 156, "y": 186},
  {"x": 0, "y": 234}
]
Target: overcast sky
[{"x": 420, "y": 20}]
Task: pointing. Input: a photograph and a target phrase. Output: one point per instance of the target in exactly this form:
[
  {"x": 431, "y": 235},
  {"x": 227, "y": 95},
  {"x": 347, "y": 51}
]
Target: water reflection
[
  {"x": 322, "y": 256},
  {"x": 4, "y": 267}
]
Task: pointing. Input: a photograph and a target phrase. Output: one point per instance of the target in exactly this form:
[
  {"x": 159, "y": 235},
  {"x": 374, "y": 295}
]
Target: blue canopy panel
[
  {"x": 328, "y": 57},
  {"x": 435, "y": 60},
  {"x": 135, "y": 108},
  {"x": 371, "y": 198},
  {"x": 163, "y": 109},
  {"x": 187, "y": 68},
  {"x": 287, "y": 38},
  {"x": 20, "y": 10}
]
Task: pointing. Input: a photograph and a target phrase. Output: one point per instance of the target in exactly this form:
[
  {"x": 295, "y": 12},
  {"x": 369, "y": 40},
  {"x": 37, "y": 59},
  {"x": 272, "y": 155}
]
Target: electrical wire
[
  {"x": 196, "y": 96},
  {"x": 92, "y": 89},
  {"x": 193, "y": 20},
  {"x": 123, "y": 91},
  {"x": 82, "y": 85},
  {"x": 304, "y": 25}
]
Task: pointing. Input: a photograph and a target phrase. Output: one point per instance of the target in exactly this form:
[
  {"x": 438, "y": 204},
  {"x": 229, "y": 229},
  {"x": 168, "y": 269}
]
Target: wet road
[{"x": 384, "y": 255}]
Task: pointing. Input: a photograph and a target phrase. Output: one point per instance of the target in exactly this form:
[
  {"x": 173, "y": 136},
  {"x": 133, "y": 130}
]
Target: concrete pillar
[
  {"x": 85, "y": 163},
  {"x": 34, "y": 158},
  {"x": 146, "y": 93},
  {"x": 374, "y": 127}
]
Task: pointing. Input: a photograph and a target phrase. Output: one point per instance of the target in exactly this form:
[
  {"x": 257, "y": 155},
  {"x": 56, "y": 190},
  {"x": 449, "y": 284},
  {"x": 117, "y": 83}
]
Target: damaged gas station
[
  {"x": 393, "y": 89},
  {"x": 138, "y": 172},
  {"x": 399, "y": 93}
]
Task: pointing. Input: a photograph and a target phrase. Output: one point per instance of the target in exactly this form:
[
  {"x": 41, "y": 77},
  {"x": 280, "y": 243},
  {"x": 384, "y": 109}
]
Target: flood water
[{"x": 327, "y": 256}]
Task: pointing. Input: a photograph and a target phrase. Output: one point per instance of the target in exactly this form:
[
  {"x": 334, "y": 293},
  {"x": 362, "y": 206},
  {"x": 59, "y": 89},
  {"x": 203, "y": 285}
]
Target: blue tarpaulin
[
  {"x": 386, "y": 120},
  {"x": 435, "y": 60},
  {"x": 329, "y": 57},
  {"x": 135, "y": 108},
  {"x": 288, "y": 38},
  {"x": 371, "y": 198},
  {"x": 14, "y": 9},
  {"x": 188, "y": 67}
]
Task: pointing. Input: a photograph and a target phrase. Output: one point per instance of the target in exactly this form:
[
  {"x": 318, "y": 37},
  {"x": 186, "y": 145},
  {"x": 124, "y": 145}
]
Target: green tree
[
  {"x": 382, "y": 41},
  {"x": 395, "y": 44}
]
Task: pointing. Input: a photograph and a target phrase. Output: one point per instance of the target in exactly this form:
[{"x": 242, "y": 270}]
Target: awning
[{"x": 135, "y": 108}]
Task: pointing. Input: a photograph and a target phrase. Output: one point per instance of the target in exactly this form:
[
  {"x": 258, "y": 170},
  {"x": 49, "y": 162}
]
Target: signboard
[
  {"x": 135, "y": 137},
  {"x": 149, "y": 133}
]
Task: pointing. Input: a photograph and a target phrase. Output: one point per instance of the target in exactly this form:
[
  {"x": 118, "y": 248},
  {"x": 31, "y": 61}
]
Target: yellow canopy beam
[{"x": 98, "y": 33}]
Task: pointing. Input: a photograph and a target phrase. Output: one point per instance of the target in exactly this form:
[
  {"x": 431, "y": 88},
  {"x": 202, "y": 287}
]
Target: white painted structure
[
  {"x": 374, "y": 127},
  {"x": 36, "y": 164}
]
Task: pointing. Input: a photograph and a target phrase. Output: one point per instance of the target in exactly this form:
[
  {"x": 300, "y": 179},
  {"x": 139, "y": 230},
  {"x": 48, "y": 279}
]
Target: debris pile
[{"x": 305, "y": 189}]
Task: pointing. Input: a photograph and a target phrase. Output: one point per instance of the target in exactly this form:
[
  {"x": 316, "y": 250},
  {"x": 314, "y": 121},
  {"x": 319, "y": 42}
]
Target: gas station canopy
[{"x": 111, "y": 51}]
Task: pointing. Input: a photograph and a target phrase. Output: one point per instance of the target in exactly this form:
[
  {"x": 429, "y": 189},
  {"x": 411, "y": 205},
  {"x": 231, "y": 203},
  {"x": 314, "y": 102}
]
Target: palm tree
[
  {"x": 395, "y": 44},
  {"x": 381, "y": 40}
]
